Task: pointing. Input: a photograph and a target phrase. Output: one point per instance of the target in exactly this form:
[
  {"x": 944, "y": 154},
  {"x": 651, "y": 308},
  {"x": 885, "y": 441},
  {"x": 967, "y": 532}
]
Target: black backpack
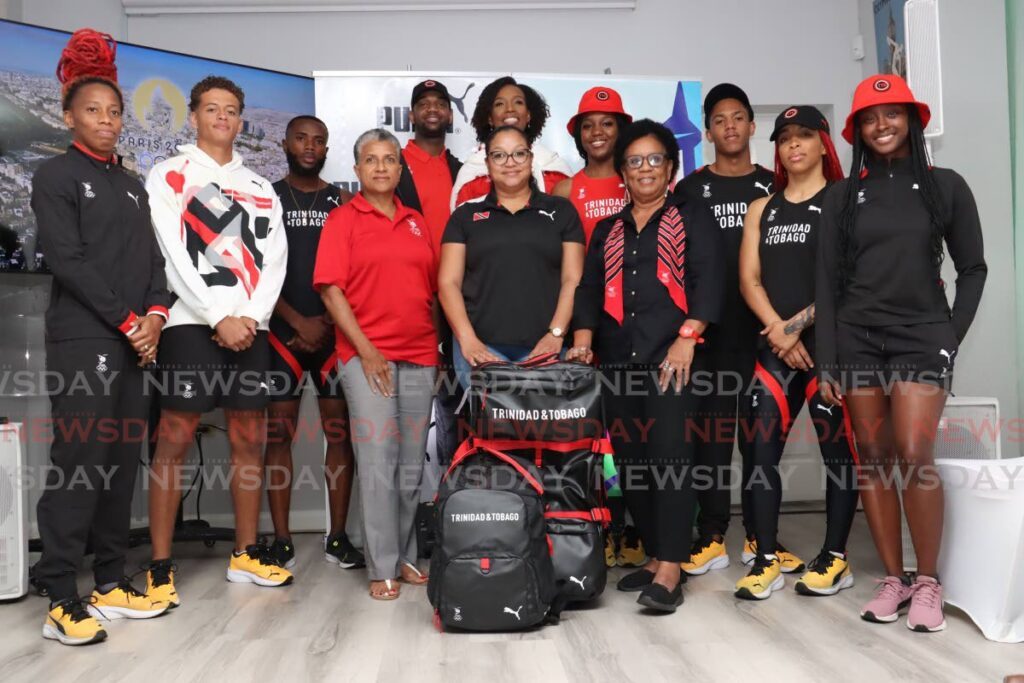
[{"x": 491, "y": 566}]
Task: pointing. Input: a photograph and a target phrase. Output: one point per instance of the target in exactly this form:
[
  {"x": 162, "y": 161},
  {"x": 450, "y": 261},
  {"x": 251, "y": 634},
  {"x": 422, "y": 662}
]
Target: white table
[{"x": 982, "y": 560}]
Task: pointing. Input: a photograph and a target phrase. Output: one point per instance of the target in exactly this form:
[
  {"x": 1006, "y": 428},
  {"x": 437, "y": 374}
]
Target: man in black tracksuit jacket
[{"x": 96, "y": 236}]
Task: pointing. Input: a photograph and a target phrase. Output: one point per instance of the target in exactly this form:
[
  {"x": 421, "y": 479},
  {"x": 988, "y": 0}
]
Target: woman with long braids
[
  {"x": 887, "y": 337},
  {"x": 108, "y": 305},
  {"x": 777, "y": 262},
  {"x": 506, "y": 102}
]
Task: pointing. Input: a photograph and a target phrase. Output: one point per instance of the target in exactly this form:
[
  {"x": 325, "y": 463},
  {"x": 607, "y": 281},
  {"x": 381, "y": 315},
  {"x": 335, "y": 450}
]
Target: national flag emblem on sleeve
[{"x": 481, "y": 216}]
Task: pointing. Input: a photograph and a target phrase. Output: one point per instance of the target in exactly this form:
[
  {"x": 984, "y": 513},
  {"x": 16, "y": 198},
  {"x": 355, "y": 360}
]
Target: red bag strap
[
  {"x": 601, "y": 515},
  {"x": 469, "y": 447}
]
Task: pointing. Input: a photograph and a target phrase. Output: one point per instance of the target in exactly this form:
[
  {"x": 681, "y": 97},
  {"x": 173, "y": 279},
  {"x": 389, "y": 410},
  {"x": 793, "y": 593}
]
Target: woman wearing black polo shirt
[
  {"x": 509, "y": 264},
  {"x": 887, "y": 337},
  {"x": 652, "y": 282}
]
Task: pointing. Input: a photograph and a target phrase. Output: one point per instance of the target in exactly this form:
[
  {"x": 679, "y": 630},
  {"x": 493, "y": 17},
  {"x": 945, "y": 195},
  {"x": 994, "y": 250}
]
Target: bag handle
[{"x": 468, "y": 448}]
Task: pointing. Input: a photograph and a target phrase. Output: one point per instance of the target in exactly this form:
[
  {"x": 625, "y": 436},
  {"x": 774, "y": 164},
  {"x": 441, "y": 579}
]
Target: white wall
[{"x": 976, "y": 144}]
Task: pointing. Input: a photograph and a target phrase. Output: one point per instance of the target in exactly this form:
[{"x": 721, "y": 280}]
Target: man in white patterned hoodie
[{"x": 219, "y": 227}]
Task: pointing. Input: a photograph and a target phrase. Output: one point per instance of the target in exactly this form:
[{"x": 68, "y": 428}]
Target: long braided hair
[{"x": 927, "y": 187}]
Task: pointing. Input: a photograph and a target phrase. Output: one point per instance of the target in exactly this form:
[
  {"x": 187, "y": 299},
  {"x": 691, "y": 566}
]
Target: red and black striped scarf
[{"x": 671, "y": 262}]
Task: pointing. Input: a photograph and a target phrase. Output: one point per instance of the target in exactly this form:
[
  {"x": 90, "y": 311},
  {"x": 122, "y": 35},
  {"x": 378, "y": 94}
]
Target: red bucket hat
[
  {"x": 882, "y": 89},
  {"x": 599, "y": 99}
]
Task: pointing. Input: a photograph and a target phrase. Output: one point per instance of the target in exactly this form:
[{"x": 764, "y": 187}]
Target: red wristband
[{"x": 687, "y": 332}]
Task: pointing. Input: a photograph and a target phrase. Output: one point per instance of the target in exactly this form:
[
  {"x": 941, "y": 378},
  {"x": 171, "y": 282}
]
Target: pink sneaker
[
  {"x": 892, "y": 595},
  {"x": 925, "y": 614}
]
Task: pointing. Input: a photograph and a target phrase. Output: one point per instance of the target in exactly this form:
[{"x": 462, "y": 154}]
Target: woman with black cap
[
  {"x": 597, "y": 191},
  {"x": 506, "y": 102},
  {"x": 777, "y": 264},
  {"x": 887, "y": 337},
  {"x": 652, "y": 282}
]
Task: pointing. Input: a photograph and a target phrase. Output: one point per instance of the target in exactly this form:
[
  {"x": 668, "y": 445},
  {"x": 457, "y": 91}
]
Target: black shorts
[
  {"x": 289, "y": 367},
  {"x": 881, "y": 356},
  {"x": 198, "y": 375}
]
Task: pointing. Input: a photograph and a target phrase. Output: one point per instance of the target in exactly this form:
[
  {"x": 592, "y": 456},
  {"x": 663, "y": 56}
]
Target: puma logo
[
  {"x": 263, "y": 385},
  {"x": 767, "y": 188},
  {"x": 333, "y": 200},
  {"x": 814, "y": 208},
  {"x": 460, "y": 102},
  {"x": 948, "y": 355},
  {"x": 256, "y": 183},
  {"x": 579, "y": 581},
  {"x": 134, "y": 198},
  {"x": 827, "y": 409},
  {"x": 915, "y": 186},
  {"x": 550, "y": 215},
  {"x": 514, "y": 612}
]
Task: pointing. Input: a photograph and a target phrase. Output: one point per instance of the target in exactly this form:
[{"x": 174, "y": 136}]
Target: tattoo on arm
[{"x": 801, "y": 321}]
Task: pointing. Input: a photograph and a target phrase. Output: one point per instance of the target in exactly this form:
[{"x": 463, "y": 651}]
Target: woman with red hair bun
[
  {"x": 777, "y": 264},
  {"x": 108, "y": 304}
]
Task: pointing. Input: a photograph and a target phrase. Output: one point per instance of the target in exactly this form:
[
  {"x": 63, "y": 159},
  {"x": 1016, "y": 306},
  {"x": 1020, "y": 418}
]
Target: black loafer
[
  {"x": 635, "y": 581},
  {"x": 657, "y": 597}
]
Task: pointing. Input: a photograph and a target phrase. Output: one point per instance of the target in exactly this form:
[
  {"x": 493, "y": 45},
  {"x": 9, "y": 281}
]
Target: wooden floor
[{"x": 325, "y": 627}]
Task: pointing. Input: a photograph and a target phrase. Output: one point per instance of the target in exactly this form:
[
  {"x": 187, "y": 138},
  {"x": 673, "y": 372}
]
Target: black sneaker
[
  {"x": 283, "y": 551},
  {"x": 340, "y": 551}
]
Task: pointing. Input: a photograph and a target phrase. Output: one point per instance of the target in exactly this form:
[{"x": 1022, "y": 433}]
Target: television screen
[{"x": 156, "y": 86}]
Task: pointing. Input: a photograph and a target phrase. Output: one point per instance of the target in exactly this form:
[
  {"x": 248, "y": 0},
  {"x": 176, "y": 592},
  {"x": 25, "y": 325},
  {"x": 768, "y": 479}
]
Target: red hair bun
[{"x": 88, "y": 53}]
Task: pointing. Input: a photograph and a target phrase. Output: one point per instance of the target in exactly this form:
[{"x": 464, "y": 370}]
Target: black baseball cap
[
  {"x": 803, "y": 115},
  {"x": 426, "y": 86},
  {"x": 725, "y": 91}
]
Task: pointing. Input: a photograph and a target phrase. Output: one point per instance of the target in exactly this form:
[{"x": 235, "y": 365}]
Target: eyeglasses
[
  {"x": 500, "y": 158},
  {"x": 654, "y": 160}
]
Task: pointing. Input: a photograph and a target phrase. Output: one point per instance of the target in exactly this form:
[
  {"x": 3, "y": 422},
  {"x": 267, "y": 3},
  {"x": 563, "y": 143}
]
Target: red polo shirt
[
  {"x": 387, "y": 269},
  {"x": 433, "y": 181}
]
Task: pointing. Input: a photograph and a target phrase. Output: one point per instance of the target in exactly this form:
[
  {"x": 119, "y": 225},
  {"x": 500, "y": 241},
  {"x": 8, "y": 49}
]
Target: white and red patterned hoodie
[{"x": 221, "y": 233}]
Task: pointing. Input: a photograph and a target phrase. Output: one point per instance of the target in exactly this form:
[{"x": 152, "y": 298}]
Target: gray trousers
[{"x": 389, "y": 437}]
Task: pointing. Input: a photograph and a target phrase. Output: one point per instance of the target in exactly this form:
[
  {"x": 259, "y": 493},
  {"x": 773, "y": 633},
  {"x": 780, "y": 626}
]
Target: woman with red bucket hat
[
  {"x": 597, "y": 191},
  {"x": 887, "y": 337}
]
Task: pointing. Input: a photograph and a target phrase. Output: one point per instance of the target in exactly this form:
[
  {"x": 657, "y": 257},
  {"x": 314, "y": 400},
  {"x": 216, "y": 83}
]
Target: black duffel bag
[{"x": 542, "y": 399}]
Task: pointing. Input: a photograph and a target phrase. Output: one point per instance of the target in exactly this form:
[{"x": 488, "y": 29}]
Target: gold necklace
[{"x": 296, "y": 201}]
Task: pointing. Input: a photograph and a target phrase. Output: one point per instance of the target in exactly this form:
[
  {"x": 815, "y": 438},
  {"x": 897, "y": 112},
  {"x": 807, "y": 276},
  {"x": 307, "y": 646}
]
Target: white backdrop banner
[{"x": 351, "y": 102}]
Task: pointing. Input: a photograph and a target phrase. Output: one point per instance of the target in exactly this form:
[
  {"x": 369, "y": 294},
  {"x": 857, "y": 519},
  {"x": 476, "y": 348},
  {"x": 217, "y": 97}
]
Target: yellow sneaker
[
  {"x": 764, "y": 578},
  {"x": 124, "y": 602},
  {"x": 160, "y": 583},
  {"x": 69, "y": 622},
  {"x": 609, "y": 550},
  {"x": 257, "y": 565},
  {"x": 827, "y": 574},
  {"x": 706, "y": 554},
  {"x": 631, "y": 549},
  {"x": 790, "y": 562}
]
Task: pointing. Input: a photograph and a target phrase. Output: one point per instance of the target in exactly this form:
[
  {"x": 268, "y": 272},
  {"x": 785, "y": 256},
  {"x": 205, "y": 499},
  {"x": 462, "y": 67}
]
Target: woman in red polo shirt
[
  {"x": 597, "y": 191},
  {"x": 376, "y": 269}
]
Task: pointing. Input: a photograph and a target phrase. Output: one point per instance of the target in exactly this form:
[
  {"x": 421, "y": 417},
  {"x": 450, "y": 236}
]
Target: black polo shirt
[
  {"x": 651, "y": 320},
  {"x": 513, "y": 264}
]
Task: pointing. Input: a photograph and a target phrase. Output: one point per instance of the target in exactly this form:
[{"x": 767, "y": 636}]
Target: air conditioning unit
[
  {"x": 968, "y": 430},
  {"x": 13, "y": 532},
  {"x": 924, "y": 64}
]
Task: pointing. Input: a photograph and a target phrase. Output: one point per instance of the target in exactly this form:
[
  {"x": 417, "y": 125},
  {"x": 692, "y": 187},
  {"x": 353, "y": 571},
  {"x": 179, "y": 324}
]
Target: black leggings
[
  {"x": 654, "y": 452},
  {"x": 778, "y": 395}
]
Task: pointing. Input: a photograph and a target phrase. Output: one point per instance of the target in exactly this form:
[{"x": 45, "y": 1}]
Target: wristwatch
[
  {"x": 687, "y": 332},
  {"x": 557, "y": 332}
]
